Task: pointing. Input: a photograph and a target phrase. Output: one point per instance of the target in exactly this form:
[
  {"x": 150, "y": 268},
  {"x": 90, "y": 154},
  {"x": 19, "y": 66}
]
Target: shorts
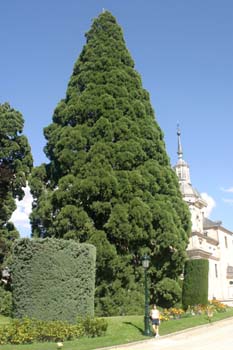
[{"x": 155, "y": 321}]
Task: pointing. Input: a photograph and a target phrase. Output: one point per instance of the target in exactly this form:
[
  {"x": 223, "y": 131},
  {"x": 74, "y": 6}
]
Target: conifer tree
[
  {"x": 15, "y": 166},
  {"x": 109, "y": 180}
]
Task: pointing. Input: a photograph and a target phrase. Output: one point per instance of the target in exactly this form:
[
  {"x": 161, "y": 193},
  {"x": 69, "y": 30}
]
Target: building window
[
  {"x": 231, "y": 282},
  {"x": 216, "y": 270},
  {"x": 226, "y": 245}
]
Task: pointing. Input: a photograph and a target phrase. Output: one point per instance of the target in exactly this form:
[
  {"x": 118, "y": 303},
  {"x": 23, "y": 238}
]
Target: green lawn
[{"x": 120, "y": 330}]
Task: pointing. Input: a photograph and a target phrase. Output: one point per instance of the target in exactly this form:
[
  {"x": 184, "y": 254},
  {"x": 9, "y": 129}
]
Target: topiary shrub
[
  {"x": 53, "y": 279},
  {"x": 195, "y": 286},
  {"x": 167, "y": 293}
]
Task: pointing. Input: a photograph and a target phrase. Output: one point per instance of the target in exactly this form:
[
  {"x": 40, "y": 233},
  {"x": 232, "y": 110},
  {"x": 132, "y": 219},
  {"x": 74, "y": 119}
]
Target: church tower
[{"x": 208, "y": 240}]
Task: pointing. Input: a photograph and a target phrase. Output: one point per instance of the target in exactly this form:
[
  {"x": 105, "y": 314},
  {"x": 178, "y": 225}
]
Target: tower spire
[
  {"x": 180, "y": 151},
  {"x": 182, "y": 168}
]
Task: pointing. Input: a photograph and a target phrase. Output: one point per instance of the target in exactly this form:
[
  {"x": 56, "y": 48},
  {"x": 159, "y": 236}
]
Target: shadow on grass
[{"x": 135, "y": 326}]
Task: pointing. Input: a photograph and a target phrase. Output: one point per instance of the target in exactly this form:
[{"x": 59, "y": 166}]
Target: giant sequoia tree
[
  {"x": 15, "y": 166},
  {"x": 109, "y": 181}
]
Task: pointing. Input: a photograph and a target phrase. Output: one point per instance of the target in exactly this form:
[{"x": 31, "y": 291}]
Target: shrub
[
  {"x": 168, "y": 293},
  {"x": 195, "y": 286},
  {"x": 94, "y": 327},
  {"x": 26, "y": 331},
  {"x": 5, "y": 302},
  {"x": 4, "y": 335},
  {"x": 53, "y": 279},
  {"x": 123, "y": 302},
  {"x": 53, "y": 331}
]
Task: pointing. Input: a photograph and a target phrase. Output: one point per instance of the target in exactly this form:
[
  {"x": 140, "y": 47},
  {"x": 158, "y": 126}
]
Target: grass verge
[{"x": 122, "y": 329}]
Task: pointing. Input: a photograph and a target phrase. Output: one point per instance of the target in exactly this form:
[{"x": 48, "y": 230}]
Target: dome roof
[{"x": 188, "y": 190}]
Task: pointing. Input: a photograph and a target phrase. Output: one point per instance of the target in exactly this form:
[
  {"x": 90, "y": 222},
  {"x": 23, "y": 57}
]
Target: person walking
[{"x": 155, "y": 319}]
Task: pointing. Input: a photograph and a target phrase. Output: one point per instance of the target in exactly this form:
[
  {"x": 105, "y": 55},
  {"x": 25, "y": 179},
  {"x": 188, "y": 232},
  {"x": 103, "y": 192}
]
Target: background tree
[
  {"x": 109, "y": 179},
  {"x": 15, "y": 166}
]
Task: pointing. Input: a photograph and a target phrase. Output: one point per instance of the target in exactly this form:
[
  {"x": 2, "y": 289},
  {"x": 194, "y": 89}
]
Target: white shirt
[{"x": 154, "y": 313}]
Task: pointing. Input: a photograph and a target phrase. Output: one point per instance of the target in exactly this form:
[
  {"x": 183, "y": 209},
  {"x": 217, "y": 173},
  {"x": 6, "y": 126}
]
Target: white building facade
[{"x": 209, "y": 240}]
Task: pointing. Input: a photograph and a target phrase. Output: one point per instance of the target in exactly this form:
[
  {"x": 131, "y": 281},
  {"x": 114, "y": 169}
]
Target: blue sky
[{"x": 183, "y": 50}]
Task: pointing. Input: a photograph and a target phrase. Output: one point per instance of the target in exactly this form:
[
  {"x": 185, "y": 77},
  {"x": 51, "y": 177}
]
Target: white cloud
[
  {"x": 227, "y": 200},
  {"x": 20, "y": 217},
  {"x": 229, "y": 190},
  {"x": 210, "y": 204}
]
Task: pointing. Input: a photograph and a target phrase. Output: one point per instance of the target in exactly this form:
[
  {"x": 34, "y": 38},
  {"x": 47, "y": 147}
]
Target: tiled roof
[{"x": 209, "y": 223}]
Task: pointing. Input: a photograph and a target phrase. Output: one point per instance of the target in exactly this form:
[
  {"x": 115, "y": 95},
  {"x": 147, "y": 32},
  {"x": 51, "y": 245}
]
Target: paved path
[{"x": 218, "y": 335}]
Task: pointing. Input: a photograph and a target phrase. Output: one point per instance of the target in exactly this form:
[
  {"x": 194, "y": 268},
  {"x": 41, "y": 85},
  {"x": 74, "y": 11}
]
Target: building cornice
[
  {"x": 207, "y": 238},
  {"x": 198, "y": 253}
]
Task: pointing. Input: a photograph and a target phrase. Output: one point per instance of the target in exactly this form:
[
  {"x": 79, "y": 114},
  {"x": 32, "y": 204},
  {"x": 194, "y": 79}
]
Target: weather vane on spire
[{"x": 178, "y": 129}]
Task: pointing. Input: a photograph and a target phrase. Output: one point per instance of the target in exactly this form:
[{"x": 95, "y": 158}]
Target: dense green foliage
[
  {"x": 168, "y": 293},
  {"x": 15, "y": 166},
  {"x": 53, "y": 279},
  {"x": 109, "y": 181},
  {"x": 5, "y": 302},
  {"x": 195, "y": 286},
  {"x": 26, "y": 331}
]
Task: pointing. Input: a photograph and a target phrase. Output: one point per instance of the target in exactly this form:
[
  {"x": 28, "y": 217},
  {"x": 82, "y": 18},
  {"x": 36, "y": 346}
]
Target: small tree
[{"x": 195, "y": 286}]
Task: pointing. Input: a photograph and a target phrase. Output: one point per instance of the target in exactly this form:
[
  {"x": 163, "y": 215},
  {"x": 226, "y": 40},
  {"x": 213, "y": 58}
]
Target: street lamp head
[{"x": 145, "y": 261}]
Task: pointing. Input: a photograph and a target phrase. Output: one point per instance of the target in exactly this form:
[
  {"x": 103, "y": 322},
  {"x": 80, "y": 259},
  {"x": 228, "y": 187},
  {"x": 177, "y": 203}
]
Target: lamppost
[{"x": 145, "y": 264}]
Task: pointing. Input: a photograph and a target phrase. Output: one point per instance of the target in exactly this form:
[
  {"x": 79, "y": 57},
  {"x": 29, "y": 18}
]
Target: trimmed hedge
[
  {"x": 53, "y": 279},
  {"x": 195, "y": 286},
  {"x": 26, "y": 331}
]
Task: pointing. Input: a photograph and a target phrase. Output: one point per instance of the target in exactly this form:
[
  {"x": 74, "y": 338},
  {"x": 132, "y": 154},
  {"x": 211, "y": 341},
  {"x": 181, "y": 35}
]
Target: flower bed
[{"x": 176, "y": 313}]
